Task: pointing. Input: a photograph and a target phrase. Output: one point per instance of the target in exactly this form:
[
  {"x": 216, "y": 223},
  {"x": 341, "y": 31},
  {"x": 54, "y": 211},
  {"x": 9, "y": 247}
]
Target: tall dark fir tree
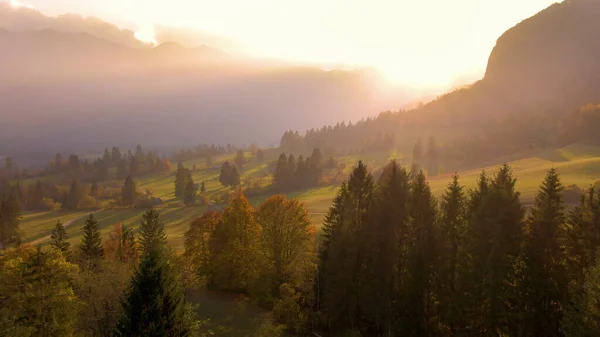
[
  {"x": 154, "y": 304},
  {"x": 91, "y": 247}
]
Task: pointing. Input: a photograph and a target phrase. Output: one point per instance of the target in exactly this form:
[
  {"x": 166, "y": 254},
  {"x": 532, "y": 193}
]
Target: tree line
[
  {"x": 122, "y": 287},
  {"x": 395, "y": 261}
]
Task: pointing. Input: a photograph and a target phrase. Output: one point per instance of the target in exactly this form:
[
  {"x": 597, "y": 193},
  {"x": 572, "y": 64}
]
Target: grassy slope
[{"x": 577, "y": 164}]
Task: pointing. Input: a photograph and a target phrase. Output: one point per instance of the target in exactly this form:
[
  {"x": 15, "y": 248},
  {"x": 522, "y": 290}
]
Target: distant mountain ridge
[{"x": 74, "y": 90}]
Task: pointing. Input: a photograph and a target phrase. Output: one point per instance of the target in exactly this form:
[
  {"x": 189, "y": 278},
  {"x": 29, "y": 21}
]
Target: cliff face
[{"x": 552, "y": 58}]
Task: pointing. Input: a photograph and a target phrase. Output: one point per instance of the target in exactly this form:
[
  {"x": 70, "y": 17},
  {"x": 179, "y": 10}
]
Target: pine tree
[
  {"x": 91, "y": 245},
  {"x": 545, "y": 279},
  {"x": 280, "y": 178},
  {"x": 387, "y": 239},
  {"x": 240, "y": 160},
  {"x": 74, "y": 196},
  {"x": 422, "y": 259},
  {"x": 189, "y": 197},
  {"x": 155, "y": 303},
  {"x": 202, "y": 187},
  {"x": 417, "y": 155},
  {"x": 493, "y": 245},
  {"x": 94, "y": 189},
  {"x": 225, "y": 176},
  {"x": 452, "y": 226},
  {"x": 432, "y": 158},
  {"x": 344, "y": 255},
  {"x": 59, "y": 240},
  {"x": 182, "y": 178},
  {"x": 234, "y": 177},
  {"x": 260, "y": 155},
  {"x": 122, "y": 172},
  {"x": 129, "y": 192},
  {"x": 10, "y": 216}
]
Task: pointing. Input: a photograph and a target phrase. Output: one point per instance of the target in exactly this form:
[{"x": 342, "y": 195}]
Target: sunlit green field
[{"x": 577, "y": 164}]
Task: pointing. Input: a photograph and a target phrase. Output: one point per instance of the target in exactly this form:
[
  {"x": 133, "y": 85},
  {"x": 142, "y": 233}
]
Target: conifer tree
[
  {"x": 74, "y": 196},
  {"x": 122, "y": 172},
  {"x": 452, "y": 227},
  {"x": 343, "y": 253},
  {"x": 225, "y": 176},
  {"x": 182, "y": 178},
  {"x": 260, "y": 155},
  {"x": 189, "y": 197},
  {"x": 432, "y": 157},
  {"x": 129, "y": 192},
  {"x": 202, "y": 187},
  {"x": 91, "y": 245},
  {"x": 423, "y": 257},
  {"x": 493, "y": 245},
  {"x": 94, "y": 189},
  {"x": 10, "y": 216},
  {"x": 59, "y": 240},
  {"x": 545, "y": 281},
  {"x": 280, "y": 178},
  {"x": 387, "y": 236},
  {"x": 240, "y": 160},
  {"x": 234, "y": 177},
  {"x": 154, "y": 304}
]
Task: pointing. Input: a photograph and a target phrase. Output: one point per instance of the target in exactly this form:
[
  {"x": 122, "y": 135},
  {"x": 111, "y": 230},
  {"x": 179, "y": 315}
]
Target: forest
[{"x": 392, "y": 260}]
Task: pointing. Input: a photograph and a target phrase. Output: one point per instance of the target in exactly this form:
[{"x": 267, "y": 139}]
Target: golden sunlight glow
[
  {"x": 147, "y": 35},
  {"x": 424, "y": 42},
  {"x": 19, "y": 4}
]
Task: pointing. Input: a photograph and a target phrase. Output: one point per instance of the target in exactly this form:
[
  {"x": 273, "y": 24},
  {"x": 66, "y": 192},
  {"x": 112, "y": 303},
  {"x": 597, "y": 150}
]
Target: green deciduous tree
[{"x": 36, "y": 293}]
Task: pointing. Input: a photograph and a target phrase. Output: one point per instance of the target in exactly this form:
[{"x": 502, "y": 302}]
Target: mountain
[
  {"x": 549, "y": 62},
  {"x": 76, "y": 91},
  {"x": 539, "y": 75},
  {"x": 552, "y": 58}
]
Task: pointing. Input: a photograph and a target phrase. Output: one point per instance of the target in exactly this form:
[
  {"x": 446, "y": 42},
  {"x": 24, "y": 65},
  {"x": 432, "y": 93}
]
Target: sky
[{"x": 416, "y": 42}]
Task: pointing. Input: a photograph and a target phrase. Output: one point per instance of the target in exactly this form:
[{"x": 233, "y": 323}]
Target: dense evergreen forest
[{"x": 392, "y": 261}]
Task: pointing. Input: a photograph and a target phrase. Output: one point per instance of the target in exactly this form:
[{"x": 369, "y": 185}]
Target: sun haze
[{"x": 424, "y": 43}]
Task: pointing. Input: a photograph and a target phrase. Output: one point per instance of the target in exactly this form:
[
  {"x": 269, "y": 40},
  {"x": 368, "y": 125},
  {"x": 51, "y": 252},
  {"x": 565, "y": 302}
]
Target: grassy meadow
[{"x": 577, "y": 164}]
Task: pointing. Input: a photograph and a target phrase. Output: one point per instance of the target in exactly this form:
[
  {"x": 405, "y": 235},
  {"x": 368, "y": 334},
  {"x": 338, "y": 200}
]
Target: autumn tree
[
  {"x": 197, "y": 243},
  {"x": 287, "y": 242},
  {"x": 36, "y": 293},
  {"x": 234, "y": 247}
]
